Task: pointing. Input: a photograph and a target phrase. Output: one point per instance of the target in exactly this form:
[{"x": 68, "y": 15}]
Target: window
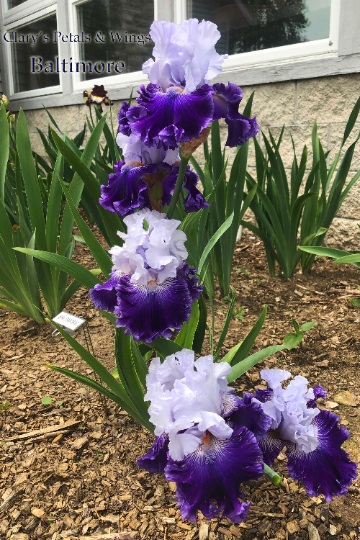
[
  {"x": 78, "y": 44},
  {"x": 123, "y": 30},
  {"x": 250, "y": 25},
  {"x": 28, "y": 44},
  {"x": 268, "y": 30},
  {"x": 107, "y": 41},
  {"x": 34, "y": 55},
  {"x": 14, "y": 3}
]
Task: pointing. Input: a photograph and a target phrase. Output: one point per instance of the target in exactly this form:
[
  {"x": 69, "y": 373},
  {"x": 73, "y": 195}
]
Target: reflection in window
[
  {"x": 252, "y": 25},
  {"x": 14, "y": 3},
  {"x": 24, "y": 79},
  {"x": 122, "y": 28}
]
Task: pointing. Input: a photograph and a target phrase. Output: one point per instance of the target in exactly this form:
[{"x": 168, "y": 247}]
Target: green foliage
[
  {"x": 4, "y": 406},
  {"x": 282, "y": 214},
  {"x": 341, "y": 257},
  {"x": 227, "y": 199},
  {"x": 37, "y": 252},
  {"x": 126, "y": 385},
  {"x": 30, "y": 217}
]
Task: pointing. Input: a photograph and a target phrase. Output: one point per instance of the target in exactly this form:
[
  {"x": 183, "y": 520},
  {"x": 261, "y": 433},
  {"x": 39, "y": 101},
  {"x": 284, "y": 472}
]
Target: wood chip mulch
[{"x": 68, "y": 470}]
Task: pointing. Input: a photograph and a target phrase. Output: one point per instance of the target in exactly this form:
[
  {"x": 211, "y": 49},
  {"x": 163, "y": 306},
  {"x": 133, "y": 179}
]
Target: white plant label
[{"x": 69, "y": 322}]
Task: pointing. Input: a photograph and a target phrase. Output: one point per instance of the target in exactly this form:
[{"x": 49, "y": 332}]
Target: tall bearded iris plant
[{"x": 209, "y": 440}]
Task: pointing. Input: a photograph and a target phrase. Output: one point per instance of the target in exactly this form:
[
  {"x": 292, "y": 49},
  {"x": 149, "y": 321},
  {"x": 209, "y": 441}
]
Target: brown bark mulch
[{"x": 78, "y": 477}]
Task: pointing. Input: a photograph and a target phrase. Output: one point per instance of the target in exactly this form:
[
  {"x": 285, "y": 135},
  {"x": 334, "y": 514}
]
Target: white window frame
[
  {"x": 16, "y": 18},
  {"x": 135, "y": 78},
  {"x": 340, "y": 54},
  {"x": 285, "y": 52}
]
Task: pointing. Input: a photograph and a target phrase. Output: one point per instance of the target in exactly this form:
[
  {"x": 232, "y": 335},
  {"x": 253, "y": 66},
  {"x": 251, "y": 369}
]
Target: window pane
[
  {"x": 32, "y": 63},
  {"x": 14, "y": 3},
  {"x": 124, "y": 28},
  {"x": 251, "y": 25}
]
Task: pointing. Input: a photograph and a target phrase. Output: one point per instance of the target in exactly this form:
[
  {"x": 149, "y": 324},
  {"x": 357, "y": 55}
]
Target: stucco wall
[{"x": 297, "y": 104}]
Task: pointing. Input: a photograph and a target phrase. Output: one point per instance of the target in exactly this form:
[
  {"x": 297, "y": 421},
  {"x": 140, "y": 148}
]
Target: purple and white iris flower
[
  {"x": 146, "y": 179},
  {"x": 312, "y": 436},
  {"x": 179, "y": 103},
  {"x": 204, "y": 441},
  {"x": 151, "y": 288}
]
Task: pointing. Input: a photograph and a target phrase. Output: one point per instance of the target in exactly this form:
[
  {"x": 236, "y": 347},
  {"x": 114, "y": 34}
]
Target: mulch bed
[{"x": 79, "y": 479}]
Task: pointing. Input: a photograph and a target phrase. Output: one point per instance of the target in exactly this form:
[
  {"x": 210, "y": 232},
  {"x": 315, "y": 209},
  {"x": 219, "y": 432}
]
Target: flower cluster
[
  {"x": 146, "y": 179},
  {"x": 209, "y": 441},
  {"x": 179, "y": 103},
  {"x": 151, "y": 288},
  {"x": 174, "y": 112},
  {"x": 312, "y": 436},
  {"x": 207, "y": 438}
]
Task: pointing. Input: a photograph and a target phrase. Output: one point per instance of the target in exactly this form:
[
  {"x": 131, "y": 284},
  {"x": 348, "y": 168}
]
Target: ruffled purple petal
[
  {"x": 127, "y": 189},
  {"x": 226, "y": 105},
  {"x": 241, "y": 130},
  {"x": 170, "y": 136},
  {"x": 157, "y": 457},
  {"x": 328, "y": 469},
  {"x": 319, "y": 392},
  {"x": 103, "y": 295},
  {"x": 173, "y": 117},
  {"x": 209, "y": 479},
  {"x": 195, "y": 199},
  {"x": 123, "y": 121},
  {"x": 188, "y": 274},
  {"x": 226, "y": 100},
  {"x": 264, "y": 395},
  {"x": 168, "y": 185},
  {"x": 155, "y": 310},
  {"x": 251, "y": 415},
  {"x": 271, "y": 446}
]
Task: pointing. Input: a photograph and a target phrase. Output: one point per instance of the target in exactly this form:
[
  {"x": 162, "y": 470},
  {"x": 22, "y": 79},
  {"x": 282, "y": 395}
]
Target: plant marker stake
[{"x": 71, "y": 323}]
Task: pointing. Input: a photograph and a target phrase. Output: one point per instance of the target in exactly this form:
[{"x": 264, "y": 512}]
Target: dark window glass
[
  {"x": 14, "y": 3},
  {"x": 251, "y": 25},
  {"x": 29, "y": 74},
  {"x": 124, "y": 28}
]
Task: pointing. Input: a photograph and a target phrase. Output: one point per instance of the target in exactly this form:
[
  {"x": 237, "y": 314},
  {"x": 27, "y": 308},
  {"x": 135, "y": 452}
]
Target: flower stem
[
  {"x": 179, "y": 182},
  {"x": 272, "y": 475}
]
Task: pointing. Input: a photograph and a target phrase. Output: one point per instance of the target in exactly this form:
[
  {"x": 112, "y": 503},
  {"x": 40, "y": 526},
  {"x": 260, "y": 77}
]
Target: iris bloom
[
  {"x": 179, "y": 103},
  {"x": 312, "y": 436},
  {"x": 151, "y": 288},
  {"x": 146, "y": 179},
  {"x": 205, "y": 443},
  {"x": 97, "y": 96}
]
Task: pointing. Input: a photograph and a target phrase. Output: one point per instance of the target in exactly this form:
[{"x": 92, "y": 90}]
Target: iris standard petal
[{"x": 209, "y": 479}]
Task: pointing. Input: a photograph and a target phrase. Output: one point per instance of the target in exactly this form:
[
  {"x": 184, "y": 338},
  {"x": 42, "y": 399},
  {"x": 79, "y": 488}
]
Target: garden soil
[{"x": 68, "y": 469}]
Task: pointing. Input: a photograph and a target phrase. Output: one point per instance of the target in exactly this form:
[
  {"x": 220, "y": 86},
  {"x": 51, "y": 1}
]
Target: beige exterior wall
[{"x": 297, "y": 104}]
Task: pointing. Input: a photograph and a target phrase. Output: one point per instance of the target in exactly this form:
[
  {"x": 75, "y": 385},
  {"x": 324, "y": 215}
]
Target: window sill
[{"x": 309, "y": 67}]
